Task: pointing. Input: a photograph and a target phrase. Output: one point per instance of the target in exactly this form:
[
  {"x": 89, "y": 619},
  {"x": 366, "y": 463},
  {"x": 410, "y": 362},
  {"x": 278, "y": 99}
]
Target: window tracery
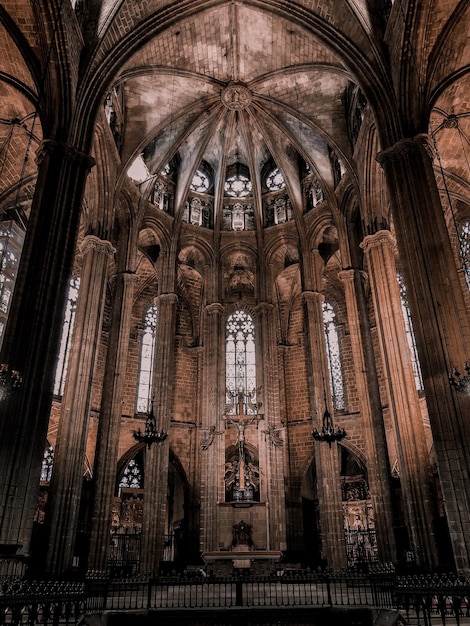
[
  {"x": 464, "y": 243},
  {"x": 333, "y": 354},
  {"x": 238, "y": 186},
  {"x": 147, "y": 355},
  {"x": 275, "y": 180},
  {"x": 66, "y": 338}
]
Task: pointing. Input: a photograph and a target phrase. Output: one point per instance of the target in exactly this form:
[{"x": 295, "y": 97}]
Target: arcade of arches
[{"x": 245, "y": 224}]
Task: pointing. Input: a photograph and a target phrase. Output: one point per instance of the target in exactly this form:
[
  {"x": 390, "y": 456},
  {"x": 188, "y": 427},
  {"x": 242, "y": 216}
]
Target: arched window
[
  {"x": 147, "y": 355},
  {"x": 464, "y": 246},
  {"x": 333, "y": 355},
  {"x": 132, "y": 477},
  {"x": 240, "y": 362},
  {"x": 47, "y": 463},
  {"x": 66, "y": 339},
  {"x": 410, "y": 335}
]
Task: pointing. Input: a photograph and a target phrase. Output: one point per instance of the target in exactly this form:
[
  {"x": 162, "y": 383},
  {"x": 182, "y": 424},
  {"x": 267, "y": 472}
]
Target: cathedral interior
[{"x": 234, "y": 288}]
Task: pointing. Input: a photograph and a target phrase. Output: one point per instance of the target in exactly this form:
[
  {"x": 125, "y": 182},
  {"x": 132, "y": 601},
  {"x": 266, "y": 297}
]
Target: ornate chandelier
[
  {"x": 328, "y": 431},
  {"x": 460, "y": 382},
  {"x": 151, "y": 434},
  {"x": 9, "y": 381}
]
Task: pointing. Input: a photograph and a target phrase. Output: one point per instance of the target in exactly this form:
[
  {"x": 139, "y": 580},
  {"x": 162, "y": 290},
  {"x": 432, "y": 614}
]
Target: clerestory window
[
  {"x": 464, "y": 245},
  {"x": 333, "y": 353},
  {"x": 66, "y": 339},
  {"x": 240, "y": 362},
  {"x": 147, "y": 356},
  {"x": 410, "y": 335}
]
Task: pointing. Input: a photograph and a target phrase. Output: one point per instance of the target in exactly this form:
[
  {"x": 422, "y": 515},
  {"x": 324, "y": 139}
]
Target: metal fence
[{"x": 425, "y": 600}]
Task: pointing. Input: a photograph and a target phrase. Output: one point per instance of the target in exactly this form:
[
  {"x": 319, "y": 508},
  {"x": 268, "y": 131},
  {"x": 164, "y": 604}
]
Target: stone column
[
  {"x": 212, "y": 429},
  {"x": 106, "y": 456},
  {"x": 33, "y": 333},
  {"x": 373, "y": 431},
  {"x": 157, "y": 456},
  {"x": 403, "y": 396},
  {"x": 272, "y": 430},
  {"x": 69, "y": 454},
  {"x": 327, "y": 459},
  {"x": 440, "y": 322}
]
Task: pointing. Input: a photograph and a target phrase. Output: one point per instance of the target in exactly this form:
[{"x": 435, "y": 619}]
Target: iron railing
[{"x": 421, "y": 599}]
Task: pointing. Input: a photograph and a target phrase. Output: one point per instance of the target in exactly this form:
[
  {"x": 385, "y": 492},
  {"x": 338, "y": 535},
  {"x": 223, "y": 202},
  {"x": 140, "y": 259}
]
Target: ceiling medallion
[{"x": 236, "y": 97}]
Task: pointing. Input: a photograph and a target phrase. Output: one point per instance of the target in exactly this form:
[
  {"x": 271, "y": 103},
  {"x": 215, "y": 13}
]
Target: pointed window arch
[
  {"x": 240, "y": 361},
  {"x": 333, "y": 353},
  {"x": 66, "y": 339},
  {"x": 147, "y": 356},
  {"x": 464, "y": 249},
  {"x": 410, "y": 335}
]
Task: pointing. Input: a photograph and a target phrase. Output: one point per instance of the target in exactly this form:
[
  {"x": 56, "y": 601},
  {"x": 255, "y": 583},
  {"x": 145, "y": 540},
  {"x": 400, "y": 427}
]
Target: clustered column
[
  {"x": 272, "y": 429},
  {"x": 37, "y": 304},
  {"x": 104, "y": 470},
  {"x": 69, "y": 454},
  {"x": 378, "y": 467},
  {"x": 157, "y": 456},
  {"x": 404, "y": 403},
  {"x": 326, "y": 456},
  {"x": 440, "y": 320},
  {"x": 212, "y": 469}
]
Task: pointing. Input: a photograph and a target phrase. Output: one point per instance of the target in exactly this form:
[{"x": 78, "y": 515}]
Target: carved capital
[
  {"x": 167, "y": 298},
  {"x": 68, "y": 152},
  {"x": 347, "y": 275},
  {"x": 263, "y": 308},
  {"x": 91, "y": 242},
  {"x": 215, "y": 308},
  {"x": 406, "y": 146},
  {"x": 380, "y": 238},
  {"x": 312, "y": 296}
]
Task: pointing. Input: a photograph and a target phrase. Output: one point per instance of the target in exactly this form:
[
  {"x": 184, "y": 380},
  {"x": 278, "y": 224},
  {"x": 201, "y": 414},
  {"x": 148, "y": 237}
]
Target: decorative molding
[
  {"x": 92, "y": 242},
  {"x": 378, "y": 239}
]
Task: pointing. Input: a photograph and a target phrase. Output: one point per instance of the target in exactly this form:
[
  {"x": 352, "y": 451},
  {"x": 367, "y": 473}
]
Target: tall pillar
[
  {"x": 212, "y": 445},
  {"x": 106, "y": 456},
  {"x": 33, "y": 332},
  {"x": 440, "y": 322},
  {"x": 271, "y": 429},
  {"x": 69, "y": 454},
  {"x": 404, "y": 402},
  {"x": 327, "y": 459},
  {"x": 157, "y": 456},
  {"x": 378, "y": 467}
]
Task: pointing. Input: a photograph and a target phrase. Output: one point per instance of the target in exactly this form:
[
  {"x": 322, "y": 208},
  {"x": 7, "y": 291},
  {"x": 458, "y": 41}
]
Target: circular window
[
  {"x": 200, "y": 182},
  {"x": 238, "y": 186},
  {"x": 275, "y": 180}
]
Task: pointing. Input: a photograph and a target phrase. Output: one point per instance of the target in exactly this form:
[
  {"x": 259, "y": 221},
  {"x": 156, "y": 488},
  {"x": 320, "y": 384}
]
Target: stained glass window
[
  {"x": 275, "y": 180},
  {"x": 238, "y": 186},
  {"x": 11, "y": 244},
  {"x": 333, "y": 355},
  {"x": 66, "y": 339},
  {"x": 410, "y": 335},
  {"x": 132, "y": 476},
  {"x": 147, "y": 355},
  {"x": 47, "y": 463},
  {"x": 464, "y": 243},
  {"x": 240, "y": 361},
  {"x": 200, "y": 182}
]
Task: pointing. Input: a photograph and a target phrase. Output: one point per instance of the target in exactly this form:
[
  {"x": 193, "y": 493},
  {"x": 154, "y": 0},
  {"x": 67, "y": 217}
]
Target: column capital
[
  {"x": 347, "y": 275},
  {"x": 49, "y": 146},
  {"x": 405, "y": 146},
  {"x": 214, "y": 308},
  {"x": 168, "y": 298},
  {"x": 378, "y": 239},
  {"x": 92, "y": 242},
  {"x": 264, "y": 308},
  {"x": 312, "y": 296}
]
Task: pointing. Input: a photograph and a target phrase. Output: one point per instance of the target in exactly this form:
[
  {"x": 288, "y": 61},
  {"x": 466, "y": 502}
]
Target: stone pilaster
[
  {"x": 438, "y": 311},
  {"x": 37, "y": 304},
  {"x": 373, "y": 431},
  {"x": 327, "y": 459},
  {"x": 404, "y": 403},
  {"x": 106, "y": 456},
  {"x": 212, "y": 427},
  {"x": 157, "y": 457},
  {"x": 69, "y": 454},
  {"x": 272, "y": 431}
]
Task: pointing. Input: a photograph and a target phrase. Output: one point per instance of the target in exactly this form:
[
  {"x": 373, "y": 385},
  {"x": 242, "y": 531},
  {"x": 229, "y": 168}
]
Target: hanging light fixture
[
  {"x": 150, "y": 435},
  {"x": 328, "y": 432}
]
